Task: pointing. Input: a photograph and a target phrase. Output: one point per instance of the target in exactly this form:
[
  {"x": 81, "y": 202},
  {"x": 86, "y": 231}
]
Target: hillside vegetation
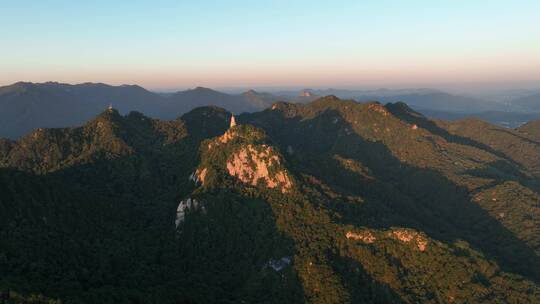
[{"x": 332, "y": 201}]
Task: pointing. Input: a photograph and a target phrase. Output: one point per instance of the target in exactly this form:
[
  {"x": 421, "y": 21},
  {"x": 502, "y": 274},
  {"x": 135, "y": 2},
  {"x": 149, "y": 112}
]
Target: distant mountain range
[
  {"x": 501, "y": 118},
  {"x": 26, "y": 106},
  {"x": 423, "y": 98}
]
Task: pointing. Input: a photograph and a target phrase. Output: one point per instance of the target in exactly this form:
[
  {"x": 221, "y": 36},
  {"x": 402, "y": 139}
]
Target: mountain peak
[
  {"x": 23, "y": 83},
  {"x": 243, "y": 154},
  {"x": 199, "y": 92},
  {"x": 250, "y": 92},
  {"x": 330, "y": 98},
  {"x": 203, "y": 89},
  {"x": 330, "y": 101},
  {"x": 208, "y": 121},
  {"x": 20, "y": 86},
  {"x": 400, "y": 109},
  {"x": 109, "y": 113},
  {"x": 306, "y": 93}
]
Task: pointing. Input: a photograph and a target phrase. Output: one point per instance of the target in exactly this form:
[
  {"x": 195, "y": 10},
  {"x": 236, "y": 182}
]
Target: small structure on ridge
[{"x": 233, "y": 122}]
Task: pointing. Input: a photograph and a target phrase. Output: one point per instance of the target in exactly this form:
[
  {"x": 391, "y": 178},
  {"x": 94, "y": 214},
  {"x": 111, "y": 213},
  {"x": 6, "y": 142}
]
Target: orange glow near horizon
[{"x": 322, "y": 76}]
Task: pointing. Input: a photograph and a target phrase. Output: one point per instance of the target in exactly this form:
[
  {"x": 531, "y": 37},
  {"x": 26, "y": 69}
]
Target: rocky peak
[
  {"x": 306, "y": 93},
  {"x": 251, "y": 92},
  {"x": 378, "y": 108},
  {"x": 243, "y": 154},
  {"x": 18, "y": 87}
]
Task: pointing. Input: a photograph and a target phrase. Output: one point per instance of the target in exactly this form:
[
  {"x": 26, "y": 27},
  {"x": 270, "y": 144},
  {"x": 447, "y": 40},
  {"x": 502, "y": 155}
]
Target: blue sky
[{"x": 177, "y": 44}]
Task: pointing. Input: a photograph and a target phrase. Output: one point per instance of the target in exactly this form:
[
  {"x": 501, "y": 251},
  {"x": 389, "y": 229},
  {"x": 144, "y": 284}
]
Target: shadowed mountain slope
[{"x": 328, "y": 202}]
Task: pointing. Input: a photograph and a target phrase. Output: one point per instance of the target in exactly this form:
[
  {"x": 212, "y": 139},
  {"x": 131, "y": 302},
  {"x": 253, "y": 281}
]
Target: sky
[{"x": 183, "y": 44}]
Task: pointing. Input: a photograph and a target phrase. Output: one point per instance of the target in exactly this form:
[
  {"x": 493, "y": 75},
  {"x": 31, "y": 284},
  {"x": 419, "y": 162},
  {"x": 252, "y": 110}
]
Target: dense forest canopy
[{"x": 332, "y": 201}]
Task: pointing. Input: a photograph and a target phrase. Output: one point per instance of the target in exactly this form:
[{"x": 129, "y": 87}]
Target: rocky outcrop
[
  {"x": 377, "y": 107},
  {"x": 252, "y": 164},
  {"x": 183, "y": 207},
  {"x": 403, "y": 235},
  {"x": 279, "y": 264},
  {"x": 199, "y": 176},
  {"x": 408, "y": 235},
  {"x": 242, "y": 153},
  {"x": 223, "y": 139},
  {"x": 365, "y": 236}
]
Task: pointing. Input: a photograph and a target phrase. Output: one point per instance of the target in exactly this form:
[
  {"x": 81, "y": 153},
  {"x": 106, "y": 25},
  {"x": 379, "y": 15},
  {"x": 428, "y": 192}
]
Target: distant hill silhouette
[
  {"x": 26, "y": 106},
  {"x": 531, "y": 102},
  {"x": 185, "y": 101},
  {"x": 440, "y": 101},
  {"x": 501, "y": 118}
]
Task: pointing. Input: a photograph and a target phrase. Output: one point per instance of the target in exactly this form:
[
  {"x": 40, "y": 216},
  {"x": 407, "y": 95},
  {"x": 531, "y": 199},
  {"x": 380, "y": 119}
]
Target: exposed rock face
[
  {"x": 227, "y": 136},
  {"x": 376, "y": 107},
  {"x": 406, "y": 236},
  {"x": 223, "y": 139},
  {"x": 365, "y": 237},
  {"x": 183, "y": 207},
  {"x": 199, "y": 176},
  {"x": 242, "y": 152},
  {"x": 400, "y": 234},
  {"x": 306, "y": 94},
  {"x": 250, "y": 165},
  {"x": 279, "y": 264}
]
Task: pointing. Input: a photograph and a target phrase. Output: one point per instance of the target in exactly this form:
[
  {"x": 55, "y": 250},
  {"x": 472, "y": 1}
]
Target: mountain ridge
[
  {"x": 334, "y": 201},
  {"x": 27, "y": 106}
]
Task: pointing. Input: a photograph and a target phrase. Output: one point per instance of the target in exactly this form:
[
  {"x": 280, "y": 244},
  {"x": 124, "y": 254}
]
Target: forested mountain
[
  {"x": 333, "y": 201},
  {"x": 436, "y": 100}
]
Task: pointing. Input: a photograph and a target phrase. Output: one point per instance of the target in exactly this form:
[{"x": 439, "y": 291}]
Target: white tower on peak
[
  {"x": 233, "y": 122},
  {"x": 110, "y": 108}
]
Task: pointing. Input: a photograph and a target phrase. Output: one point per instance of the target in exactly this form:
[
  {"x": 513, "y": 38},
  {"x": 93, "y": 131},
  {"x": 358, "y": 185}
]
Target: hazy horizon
[
  {"x": 477, "y": 90},
  {"x": 165, "y": 45}
]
